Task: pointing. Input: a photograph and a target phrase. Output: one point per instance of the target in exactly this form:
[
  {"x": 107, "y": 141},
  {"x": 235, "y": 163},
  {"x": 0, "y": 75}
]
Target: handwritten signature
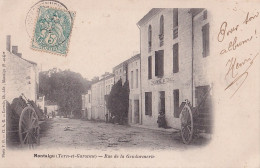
[{"x": 233, "y": 69}]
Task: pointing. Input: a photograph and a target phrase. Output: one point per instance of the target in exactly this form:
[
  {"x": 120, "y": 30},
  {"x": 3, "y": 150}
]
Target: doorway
[{"x": 136, "y": 111}]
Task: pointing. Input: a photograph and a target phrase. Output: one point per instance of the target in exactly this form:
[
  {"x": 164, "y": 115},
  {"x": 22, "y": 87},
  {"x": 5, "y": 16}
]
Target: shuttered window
[
  {"x": 175, "y": 23},
  {"x": 136, "y": 78},
  {"x": 159, "y": 63},
  {"x": 205, "y": 40},
  {"x": 148, "y": 103},
  {"x": 161, "y": 25},
  {"x": 175, "y": 18},
  {"x": 176, "y": 58},
  {"x": 176, "y": 103},
  {"x": 149, "y": 38},
  {"x": 150, "y": 67}
]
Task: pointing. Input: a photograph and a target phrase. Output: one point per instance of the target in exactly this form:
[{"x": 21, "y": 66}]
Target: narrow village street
[{"x": 76, "y": 133}]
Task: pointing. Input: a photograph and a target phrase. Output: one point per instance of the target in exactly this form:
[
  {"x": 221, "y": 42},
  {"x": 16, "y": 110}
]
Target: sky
[{"x": 104, "y": 34}]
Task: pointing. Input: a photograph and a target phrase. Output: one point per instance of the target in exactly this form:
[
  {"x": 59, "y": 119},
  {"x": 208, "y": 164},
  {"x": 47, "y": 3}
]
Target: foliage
[
  {"x": 95, "y": 79},
  {"x": 118, "y": 100},
  {"x": 65, "y": 88}
]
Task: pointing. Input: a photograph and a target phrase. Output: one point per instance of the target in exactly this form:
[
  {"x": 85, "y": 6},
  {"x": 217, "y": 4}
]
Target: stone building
[
  {"x": 21, "y": 75},
  {"x": 98, "y": 100},
  {"x": 134, "y": 114},
  {"x": 52, "y": 108},
  {"x": 99, "y": 92},
  {"x": 86, "y": 105},
  {"x": 120, "y": 72},
  {"x": 109, "y": 82},
  {"x": 175, "y": 56}
]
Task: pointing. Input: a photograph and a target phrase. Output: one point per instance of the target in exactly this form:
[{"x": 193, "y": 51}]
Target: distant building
[
  {"x": 175, "y": 54},
  {"x": 120, "y": 72},
  {"x": 21, "y": 75},
  {"x": 109, "y": 82},
  {"x": 52, "y": 108},
  {"x": 99, "y": 92},
  {"x": 134, "y": 114},
  {"x": 41, "y": 102},
  {"x": 86, "y": 105}
]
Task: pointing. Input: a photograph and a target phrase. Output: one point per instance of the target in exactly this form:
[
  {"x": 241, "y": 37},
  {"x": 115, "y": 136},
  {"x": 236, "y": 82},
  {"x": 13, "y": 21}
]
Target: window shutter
[
  {"x": 176, "y": 58},
  {"x": 150, "y": 67},
  {"x": 156, "y": 63},
  {"x": 161, "y": 63},
  {"x": 205, "y": 40},
  {"x": 148, "y": 103},
  {"x": 176, "y": 103}
]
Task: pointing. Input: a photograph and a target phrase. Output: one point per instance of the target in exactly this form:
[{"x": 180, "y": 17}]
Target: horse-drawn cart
[
  {"x": 23, "y": 122},
  {"x": 196, "y": 120}
]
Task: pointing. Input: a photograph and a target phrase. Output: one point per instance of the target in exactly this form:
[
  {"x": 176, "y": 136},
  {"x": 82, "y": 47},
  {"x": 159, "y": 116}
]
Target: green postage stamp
[{"x": 52, "y": 30}]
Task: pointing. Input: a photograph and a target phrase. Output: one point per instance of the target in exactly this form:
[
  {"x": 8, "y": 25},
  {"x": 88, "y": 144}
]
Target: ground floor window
[
  {"x": 148, "y": 103},
  {"x": 176, "y": 103}
]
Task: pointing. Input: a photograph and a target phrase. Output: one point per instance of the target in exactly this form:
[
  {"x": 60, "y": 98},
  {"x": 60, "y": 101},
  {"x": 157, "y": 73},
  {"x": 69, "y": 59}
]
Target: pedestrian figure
[
  {"x": 161, "y": 120},
  {"x": 106, "y": 118}
]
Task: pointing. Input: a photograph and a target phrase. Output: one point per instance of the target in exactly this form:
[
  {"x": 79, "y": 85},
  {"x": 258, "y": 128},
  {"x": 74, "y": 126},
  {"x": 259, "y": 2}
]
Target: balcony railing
[
  {"x": 161, "y": 37},
  {"x": 149, "y": 46},
  {"x": 175, "y": 32}
]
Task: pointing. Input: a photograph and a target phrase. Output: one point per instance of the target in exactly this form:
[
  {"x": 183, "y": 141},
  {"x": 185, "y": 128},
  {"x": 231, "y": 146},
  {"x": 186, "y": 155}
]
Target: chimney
[
  {"x": 15, "y": 50},
  {"x": 8, "y": 43}
]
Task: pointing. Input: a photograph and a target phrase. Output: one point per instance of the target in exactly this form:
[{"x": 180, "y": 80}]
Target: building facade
[
  {"x": 52, "y": 108},
  {"x": 175, "y": 54},
  {"x": 109, "y": 82},
  {"x": 99, "y": 93},
  {"x": 98, "y": 100},
  {"x": 134, "y": 113},
  {"x": 21, "y": 75},
  {"x": 86, "y": 105},
  {"x": 120, "y": 72}
]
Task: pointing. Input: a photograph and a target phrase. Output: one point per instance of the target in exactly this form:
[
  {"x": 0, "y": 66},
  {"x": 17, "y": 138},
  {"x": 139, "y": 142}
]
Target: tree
[
  {"x": 65, "y": 88},
  {"x": 95, "y": 79},
  {"x": 118, "y": 101}
]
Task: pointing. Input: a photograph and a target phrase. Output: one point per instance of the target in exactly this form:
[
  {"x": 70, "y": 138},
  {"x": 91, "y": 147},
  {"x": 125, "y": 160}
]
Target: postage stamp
[{"x": 53, "y": 29}]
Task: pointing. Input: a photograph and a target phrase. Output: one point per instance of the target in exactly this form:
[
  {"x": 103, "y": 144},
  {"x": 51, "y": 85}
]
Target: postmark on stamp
[{"x": 52, "y": 31}]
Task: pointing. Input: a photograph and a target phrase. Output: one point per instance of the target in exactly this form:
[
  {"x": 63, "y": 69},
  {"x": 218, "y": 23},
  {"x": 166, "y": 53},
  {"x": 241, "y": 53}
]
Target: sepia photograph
[{"x": 130, "y": 83}]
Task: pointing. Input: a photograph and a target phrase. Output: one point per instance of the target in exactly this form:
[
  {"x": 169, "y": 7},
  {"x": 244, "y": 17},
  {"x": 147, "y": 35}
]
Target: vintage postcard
[{"x": 147, "y": 83}]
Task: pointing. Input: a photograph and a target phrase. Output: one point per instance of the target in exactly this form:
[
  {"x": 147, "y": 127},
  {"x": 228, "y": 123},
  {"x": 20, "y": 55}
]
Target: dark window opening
[
  {"x": 205, "y": 40},
  {"x": 136, "y": 78},
  {"x": 161, "y": 35},
  {"x": 149, "y": 38},
  {"x": 150, "y": 67},
  {"x": 176, "y": 103},
  {"x": 175, "y": 23},
  {"x": 176, "y": 58},
  {"x": 162, "y": 25},
  {"x": 159, "y": 63},
  {"x": 175, "y": 18},
  {"x": 148, "y": 103}
]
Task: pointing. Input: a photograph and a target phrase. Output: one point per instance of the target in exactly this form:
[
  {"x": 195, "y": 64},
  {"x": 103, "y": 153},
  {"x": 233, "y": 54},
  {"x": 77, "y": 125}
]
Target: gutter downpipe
[{"x": 140, "y": 110}]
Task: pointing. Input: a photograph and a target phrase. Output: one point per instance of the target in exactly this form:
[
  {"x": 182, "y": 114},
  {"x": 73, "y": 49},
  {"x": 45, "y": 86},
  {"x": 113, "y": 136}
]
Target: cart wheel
[
  {"x": 186, "y": 125},
  {"x": 29, "y": 130}
]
